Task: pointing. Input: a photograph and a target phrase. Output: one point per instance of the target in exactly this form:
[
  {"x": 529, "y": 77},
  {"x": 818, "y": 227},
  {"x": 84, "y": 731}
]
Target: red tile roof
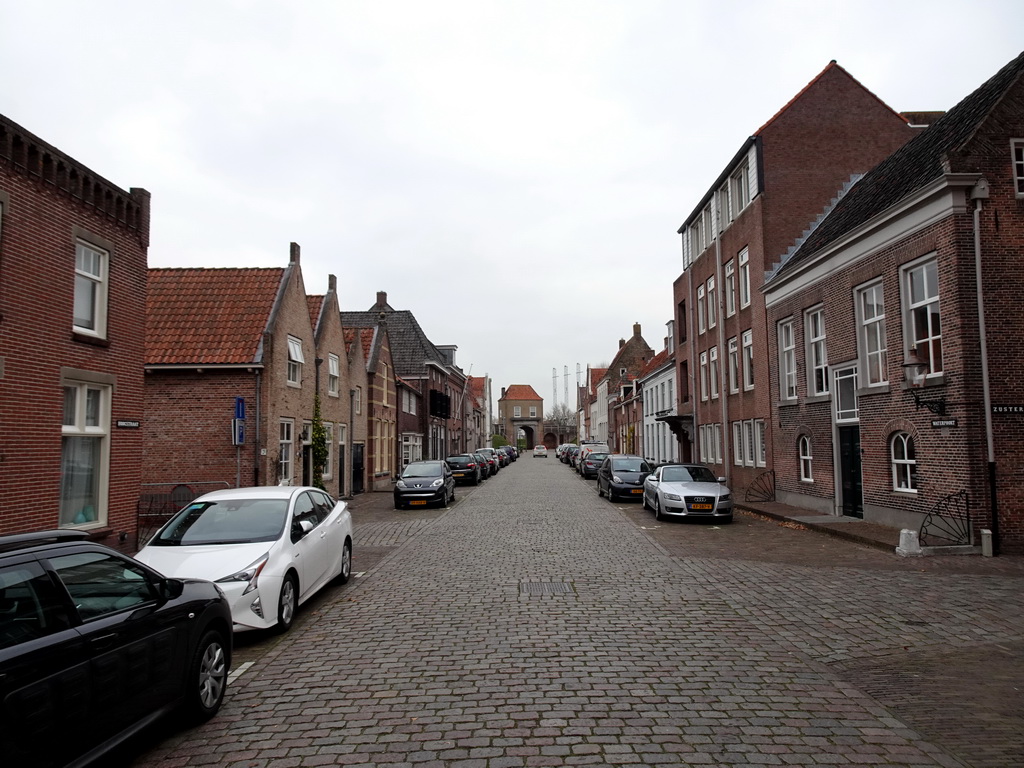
[
  {"x": 208, "y": 316},
  {"x": 314, "y": 303},
  {"x": 476, "y": 385},
  {"x": 654, "y": 364},
  {"x": 520, "y": 392}
]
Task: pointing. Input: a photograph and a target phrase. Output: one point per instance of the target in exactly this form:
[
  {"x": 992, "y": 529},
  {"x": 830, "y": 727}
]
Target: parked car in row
[
  {"x": 268, "y": 548},
  {"x": 622, "y": 476},
  {"x": 95, "y": 646},
  {"x": 687, "y": 490},
  {"x": 466, "y": 469},
  {"x": 424, "y": 482},
  {"x": 591, "y": 464},
  {"x": 492, "y": 455},
  {"x": 489, "y": 463}
]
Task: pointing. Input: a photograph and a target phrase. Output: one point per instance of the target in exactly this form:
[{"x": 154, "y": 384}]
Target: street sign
[
  {"x": 238, "y": 431},
  {"x": 239, "y": 407}
]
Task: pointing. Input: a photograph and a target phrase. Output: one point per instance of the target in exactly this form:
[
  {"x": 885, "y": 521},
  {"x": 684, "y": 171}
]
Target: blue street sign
[
  {"x": 238, "y": 432},
  {"x": 239, "y": 407}
]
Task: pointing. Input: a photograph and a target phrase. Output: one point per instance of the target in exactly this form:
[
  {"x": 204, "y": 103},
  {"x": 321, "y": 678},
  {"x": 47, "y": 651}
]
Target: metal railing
[
  {"x": 763, "y": 487},
  {"x": 948, "y": 523}
]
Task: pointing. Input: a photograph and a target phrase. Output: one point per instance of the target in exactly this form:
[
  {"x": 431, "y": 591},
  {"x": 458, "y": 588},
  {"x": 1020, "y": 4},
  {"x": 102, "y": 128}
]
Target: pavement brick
[{"x": 755, "y": 644}]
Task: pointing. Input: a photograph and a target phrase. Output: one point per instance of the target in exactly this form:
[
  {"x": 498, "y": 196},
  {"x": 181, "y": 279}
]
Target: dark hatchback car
[
  {"x": 590, "y": 465},
  {"x": 622, "y": 476},
  {"x": 95, "y": 646},
  {"x": 424, "y": 482},
  {"x": 488, "y": 464},
  {"x": 465, "y": 469}
]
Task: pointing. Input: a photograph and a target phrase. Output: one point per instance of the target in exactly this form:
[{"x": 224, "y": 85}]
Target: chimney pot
[{"x": 382, "y": 298}]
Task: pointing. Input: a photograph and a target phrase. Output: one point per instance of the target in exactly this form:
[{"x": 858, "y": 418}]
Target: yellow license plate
[
  {"x": 414, "y": 502},
  {"x": 701, "y": 506},
  {"x": 637, "y": 490}
]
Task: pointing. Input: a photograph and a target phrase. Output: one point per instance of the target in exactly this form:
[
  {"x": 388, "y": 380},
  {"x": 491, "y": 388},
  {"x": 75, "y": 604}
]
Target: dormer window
[{"x": 295, "y": 362}]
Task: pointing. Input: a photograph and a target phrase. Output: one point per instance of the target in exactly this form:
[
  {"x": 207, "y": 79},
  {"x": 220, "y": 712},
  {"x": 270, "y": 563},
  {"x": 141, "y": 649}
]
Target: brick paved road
[{"x": 534, "y": 624}]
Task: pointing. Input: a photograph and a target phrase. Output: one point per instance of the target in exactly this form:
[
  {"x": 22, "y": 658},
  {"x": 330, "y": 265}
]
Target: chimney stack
[{"x": 382, "y": 298}]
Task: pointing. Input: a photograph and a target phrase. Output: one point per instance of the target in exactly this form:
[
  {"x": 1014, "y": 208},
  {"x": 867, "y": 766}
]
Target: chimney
[
  {"x": 332, "y": 283},
  {"x": 622, "y": 343},
  {"x": 502, "y": 393},
  {"x": 294, "y": 255},
  {"x": 382, "y": 299},
  {"x": 636, "y": 330}
]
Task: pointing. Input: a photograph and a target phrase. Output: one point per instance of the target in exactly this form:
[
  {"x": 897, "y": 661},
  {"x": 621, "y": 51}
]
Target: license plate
[
  {"x": 637, "y": 490},
  {"x": 701, "y": 506},
  {"x": 414, "y": 502},
  {"x": 458, "y": 474}
]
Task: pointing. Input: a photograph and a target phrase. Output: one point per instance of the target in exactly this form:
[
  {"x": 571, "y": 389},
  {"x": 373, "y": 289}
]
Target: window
[
  {"x": 412, "y": 448},
  {"x": 32, "y": 606},
  {"x": 730, "y": 288},
  {"x": 737, "y": 443},
  {"x": 101, "y": 584},
  {"x": 357, "y": 400},
  {"x": 713, "y": 371},
  {"x": 333, "y": 375},
  {"x": 286, "y": 438},
  {"x": 710, "y": 443},
  {"x": 744, "y": 279},
  {"x": 817, "y": 355},
  {"x": 703, "y": 375},
  {"x": 871, "y": 336},
  {"x": 681, "y": 322},
  {"x": 328, "y": 469},
  {"x": 724, "y": 211},
  {"x": 295, "y": 362},
  {"x": 533, "y": 411},
  {"x": 904, "y": 463},
  {"x": 739, "y": 185},
  {"x": 517, "y": 411},
  {"x": 712, "y": 309},
  {"x": 701, "y": 311},
  {"x": 924, "y": 328},
  {"x": 806, "y": 459},
  {"x": 787, "y": 361},
  {"x": 85, "y": 453},
  {"x": 748, "y": 359},
  {"x": 709, "y": 229},
  {"x": 845, "y": 394},
  {"x": 90, "y": 311},
  {"x": 760, "y": 444},
  {"x": 1018, "y": 165},
  {"x": 748, "y": 443},
  {"x": 734, "y": 365}
]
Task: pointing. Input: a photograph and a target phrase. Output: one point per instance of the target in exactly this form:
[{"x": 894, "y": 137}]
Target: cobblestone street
[{"x": 535, "y": 624}]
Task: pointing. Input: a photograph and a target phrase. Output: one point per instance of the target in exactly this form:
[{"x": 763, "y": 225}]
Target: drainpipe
[
  {"x": 723, "y": 392},
  {"x": 256, "y": 438},
  {"x": 979, "y": 193}
]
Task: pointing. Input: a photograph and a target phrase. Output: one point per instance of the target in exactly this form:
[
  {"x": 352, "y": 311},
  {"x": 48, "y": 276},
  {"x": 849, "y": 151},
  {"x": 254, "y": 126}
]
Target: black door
[
  {"x": 341, "y": 471},
  {"x": 307, "y": 464},
  {"x": 849, "y": 460},
  {"x": 357, "y": 468}
]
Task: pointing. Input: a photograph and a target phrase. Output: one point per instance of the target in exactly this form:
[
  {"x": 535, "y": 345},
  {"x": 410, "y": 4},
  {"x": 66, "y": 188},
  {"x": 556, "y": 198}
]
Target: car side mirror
[
  {"x": 721, "y": 479},
  {"x": 173, "y": 588}
]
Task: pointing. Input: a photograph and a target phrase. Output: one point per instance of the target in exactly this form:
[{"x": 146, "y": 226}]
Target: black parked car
[
  {"x": 622, "y": 475},
  {"x": 590, "y": 465},
  {"x": 465, "y": 468},
  {"x": 425, "y": 482},
  {"x": 489, "y": 464},
  {"x": 95, "y": 646}
]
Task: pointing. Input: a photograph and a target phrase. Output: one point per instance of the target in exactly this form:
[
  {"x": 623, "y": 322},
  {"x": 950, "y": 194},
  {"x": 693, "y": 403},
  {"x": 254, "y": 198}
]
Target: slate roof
[
  {"x": 520, "y": 392},
  {"x": 410, "y": 347},
  {"x": 909, "y": 169},
  {"x": 208, "y": 316}
]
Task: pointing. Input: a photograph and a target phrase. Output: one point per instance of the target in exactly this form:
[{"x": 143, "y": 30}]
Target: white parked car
[
  {"x": 687, "y": 490},
  {"x": 268, "y": 548},
  {"x": 540, "y": 450}
]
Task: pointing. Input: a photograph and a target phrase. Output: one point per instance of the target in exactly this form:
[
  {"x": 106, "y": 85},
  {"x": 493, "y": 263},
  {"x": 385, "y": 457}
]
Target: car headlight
[
  {"x": 616, "y": 479},
  {"x": 673, "y": 497},
  {"x": 400, "y": 484},
  {"x": 250, "y": 574},
  {"x": 725, "y": 497},
  {"x": 437, "y": 483}
]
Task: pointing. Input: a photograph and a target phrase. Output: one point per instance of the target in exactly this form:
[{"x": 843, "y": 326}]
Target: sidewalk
[{"x": 849, "y": 528}]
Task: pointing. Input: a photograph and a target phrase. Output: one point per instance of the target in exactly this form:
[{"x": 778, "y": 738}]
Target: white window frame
[
  {"x": 744, "y": 277},
  {"x": 730, "y": 288},
  {"x": 844, "y": 395},
  {"x": 295, "y": 362},
  {"x": 737, "y": 443},
  {"x": 285, "y": 451},
  {"x": 748, "y": 443},
  {"x": 817, "y": 351},
  {"x": 704, "y": 376},
  {"x": 712, "y": 309},
  {"x": 760, "y": 444},
  {"x": 713, "y": 372},
  {"x": 787, "y": 360},
  {"x": 805, "y": 452},
  {"x": 333, "y": 375},
  {"x": 86, "y": 421},
  {"x": 517, "y": 412},
  {"x": 724, "y": 207},
  {"x": 926, "y": 347},
  {"x": 734, "y": 365},
  {"x": 716, "y": 433},
  {"x": 748, "y": 359},
  {"x": 871, "y": 333},
  {"x": 1017, "y": 155},
  {"x": 91, "y": 289},
  {"x": 904, "y": 467},
  {"x": 701, "y": 311},
  {"x": 358, "y": 398},
  {"x": 739, "y": 187}
]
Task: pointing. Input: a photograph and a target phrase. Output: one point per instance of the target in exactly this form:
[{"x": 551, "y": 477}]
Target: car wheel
[
  {"x": 643, "y": 499},
  {"x": 600, "y": 490},
  {"x": 657, "y": 509},
  {"x": 287, "y": 604},
  {"x": 346, "y": 564},
  {"x": 398, "y": 505},
  {"x": 207, "y": 677}
]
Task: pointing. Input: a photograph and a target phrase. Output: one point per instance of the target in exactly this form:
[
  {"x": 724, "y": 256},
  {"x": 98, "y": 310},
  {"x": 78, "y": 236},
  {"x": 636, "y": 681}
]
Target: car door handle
[{"x": 103, "y": 641}]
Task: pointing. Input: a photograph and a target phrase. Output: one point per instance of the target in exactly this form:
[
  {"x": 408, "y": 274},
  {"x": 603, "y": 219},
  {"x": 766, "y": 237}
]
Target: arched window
[
  {"x": 806, "y": 459},
  {"x": 904, "y": 463}
]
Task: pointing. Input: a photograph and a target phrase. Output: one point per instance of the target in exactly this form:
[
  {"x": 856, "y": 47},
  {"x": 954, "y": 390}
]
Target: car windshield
[
  {"x": 597, "y": 458},
  {"x": 688, "y": 475},
  {"x": 423, "y": 469},
  {"x": 234, "y": 521},
  {"x": 630, "y": 465}
]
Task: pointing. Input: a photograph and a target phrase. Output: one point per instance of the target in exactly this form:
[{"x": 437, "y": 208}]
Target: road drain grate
[{"x": 545, "y": 588}]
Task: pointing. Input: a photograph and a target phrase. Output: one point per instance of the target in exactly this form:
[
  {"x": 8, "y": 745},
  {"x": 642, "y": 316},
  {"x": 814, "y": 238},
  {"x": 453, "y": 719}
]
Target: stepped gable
[
  {"x": 208, "y": 316},
  {"x": 919, "y": 162}
]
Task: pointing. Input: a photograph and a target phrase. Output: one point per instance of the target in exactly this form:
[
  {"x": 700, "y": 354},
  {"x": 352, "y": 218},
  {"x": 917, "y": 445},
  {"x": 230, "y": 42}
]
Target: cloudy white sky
[{"x": 513, "y": 173}]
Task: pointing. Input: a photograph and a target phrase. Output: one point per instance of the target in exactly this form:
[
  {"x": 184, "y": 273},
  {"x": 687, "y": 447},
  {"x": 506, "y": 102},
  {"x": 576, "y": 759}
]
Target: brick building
[
  {"x": 520, "y": 407},
  {"x": 621, "y": 407},
  {"x": 892, "y": 368},
  {"x": 778, "y": 182},
  {"x": 73, "y": 250},
  {"x": 586, "y": 409}
]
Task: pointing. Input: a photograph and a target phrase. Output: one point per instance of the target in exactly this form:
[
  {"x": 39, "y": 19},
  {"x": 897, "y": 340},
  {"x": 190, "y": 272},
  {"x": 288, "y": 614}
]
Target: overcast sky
[{"x": 513, "y": 173}]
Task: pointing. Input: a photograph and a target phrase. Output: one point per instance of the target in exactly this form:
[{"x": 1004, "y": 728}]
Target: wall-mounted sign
[
  {"x": 1008, "y": 409},
  {"x": 939, "y": 423},
  {"x": 127, "y": 423}
]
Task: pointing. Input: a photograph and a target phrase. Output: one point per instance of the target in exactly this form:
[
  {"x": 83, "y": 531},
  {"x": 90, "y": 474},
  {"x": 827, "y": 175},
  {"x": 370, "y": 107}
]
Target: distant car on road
[
  {"x": 687, "y": 490},
  {"x": 540, "y": 451},
  {"x": 269, "y": 548}
]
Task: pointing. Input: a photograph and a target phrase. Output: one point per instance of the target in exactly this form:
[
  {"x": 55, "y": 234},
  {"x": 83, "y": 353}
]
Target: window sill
[
  {"x": 823, "y": 398},
  {"x": 85, "y": 338},
  {"x": 877, "y": 389}
]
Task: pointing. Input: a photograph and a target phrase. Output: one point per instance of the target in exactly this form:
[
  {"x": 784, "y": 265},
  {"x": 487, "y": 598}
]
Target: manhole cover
[{"x": 545, "y": 588}]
